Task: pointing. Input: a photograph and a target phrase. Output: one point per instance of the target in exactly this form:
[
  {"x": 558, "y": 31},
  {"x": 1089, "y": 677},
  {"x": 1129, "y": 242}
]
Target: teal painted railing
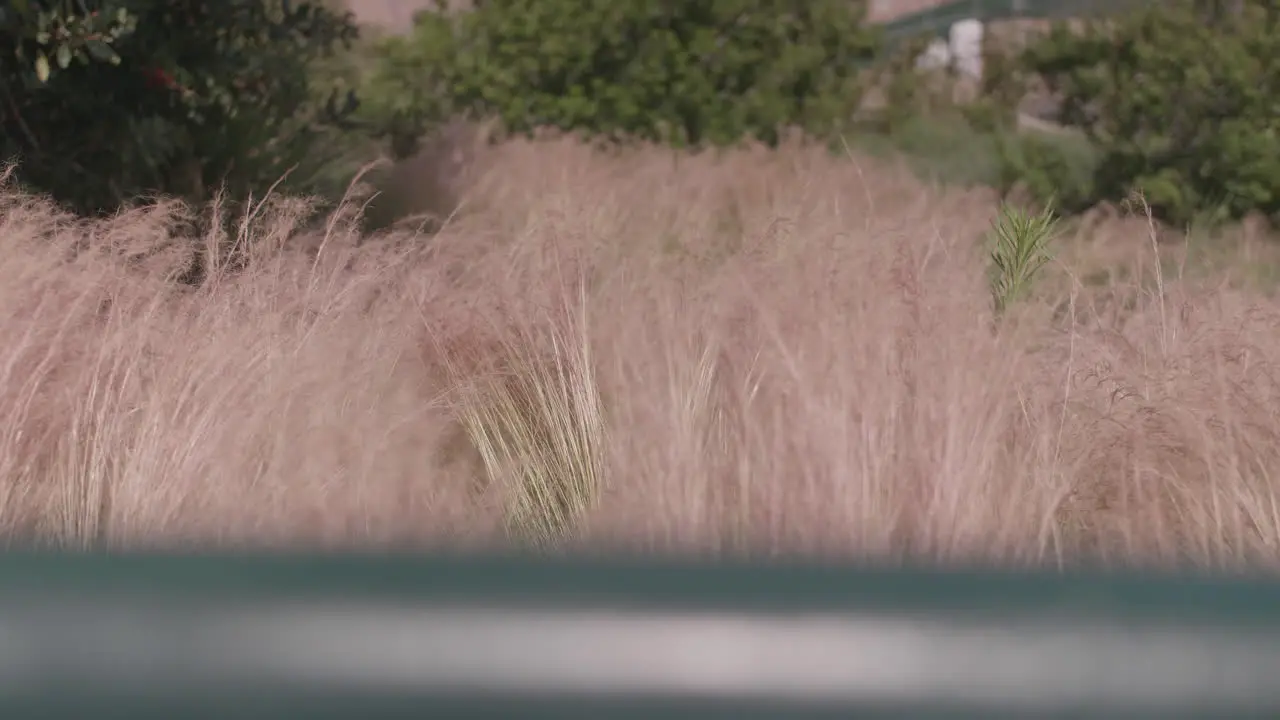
[
  {"x": 398, "y": 637},
  {"x": 938, "y": 20}
]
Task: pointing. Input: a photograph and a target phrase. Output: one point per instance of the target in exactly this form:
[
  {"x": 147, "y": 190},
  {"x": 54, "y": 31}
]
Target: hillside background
[{"x": 399, "y": 13}]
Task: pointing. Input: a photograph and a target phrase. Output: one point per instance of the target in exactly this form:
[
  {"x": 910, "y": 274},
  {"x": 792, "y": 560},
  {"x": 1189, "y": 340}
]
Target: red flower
[{"x": 157, "y": 78}]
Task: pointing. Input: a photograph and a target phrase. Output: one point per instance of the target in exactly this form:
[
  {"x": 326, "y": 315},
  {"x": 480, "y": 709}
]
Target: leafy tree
[
  {"x": 1180, "y": 101},
  {"x": 685, "y": 72},
  {"x": 107, "y": 100}
]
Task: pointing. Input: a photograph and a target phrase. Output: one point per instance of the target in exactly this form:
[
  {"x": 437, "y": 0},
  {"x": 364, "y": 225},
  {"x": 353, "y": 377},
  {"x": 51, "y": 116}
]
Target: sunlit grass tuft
[{"x": 536, "y": 420}]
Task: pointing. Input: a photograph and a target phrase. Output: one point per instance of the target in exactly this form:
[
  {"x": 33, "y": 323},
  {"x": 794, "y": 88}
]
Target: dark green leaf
[{"x": 101, "y": 51}]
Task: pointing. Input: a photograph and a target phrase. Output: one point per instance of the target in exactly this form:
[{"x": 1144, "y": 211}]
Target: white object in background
[
  {"x": 937, "y": 56},
  {"x": 966, "y": 47}
]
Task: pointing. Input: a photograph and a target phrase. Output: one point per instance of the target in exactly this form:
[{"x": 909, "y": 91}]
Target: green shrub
[
  {"x": 1180, "y": 102},
  {"x": 409, "y": 93},
  {"x": 1050, "y": 169},
  {"x": 941, "y": 147},
  {"x": 108, "y": 100},
  {"x": 906, "y": 92},
  {"x": 684, "y": 72}
]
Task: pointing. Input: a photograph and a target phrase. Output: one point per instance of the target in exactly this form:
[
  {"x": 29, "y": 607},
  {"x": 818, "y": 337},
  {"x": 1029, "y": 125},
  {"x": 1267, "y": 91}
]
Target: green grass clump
[{"x": 1019, "y": 249}]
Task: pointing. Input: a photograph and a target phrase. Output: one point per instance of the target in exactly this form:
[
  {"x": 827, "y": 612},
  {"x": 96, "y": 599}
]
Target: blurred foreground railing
[{"x": 397, "y": 637}]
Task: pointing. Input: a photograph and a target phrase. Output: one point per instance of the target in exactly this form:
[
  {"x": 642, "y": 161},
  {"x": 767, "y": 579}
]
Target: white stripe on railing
[{"x": 1030, "y": 666}]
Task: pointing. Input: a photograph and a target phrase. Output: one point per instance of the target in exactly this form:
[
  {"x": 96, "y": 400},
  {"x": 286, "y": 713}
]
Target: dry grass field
[{"x": 767, "y": 352}]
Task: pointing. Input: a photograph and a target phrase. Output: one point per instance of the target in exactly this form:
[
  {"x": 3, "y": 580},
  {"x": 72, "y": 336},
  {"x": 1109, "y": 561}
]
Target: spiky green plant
[{"x": 1019, "y": 242}]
